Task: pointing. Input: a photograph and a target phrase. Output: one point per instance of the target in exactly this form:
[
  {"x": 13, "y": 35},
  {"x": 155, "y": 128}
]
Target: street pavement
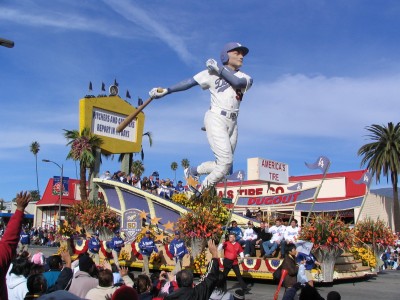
[{"x": 384, "y": 286}]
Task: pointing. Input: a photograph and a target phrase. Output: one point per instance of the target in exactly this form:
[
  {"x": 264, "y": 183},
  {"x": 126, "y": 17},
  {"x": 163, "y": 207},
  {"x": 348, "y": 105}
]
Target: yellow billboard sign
[{"x": 103, "y": 115}]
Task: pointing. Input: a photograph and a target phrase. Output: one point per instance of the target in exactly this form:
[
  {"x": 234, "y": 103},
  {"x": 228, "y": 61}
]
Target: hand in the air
[
  {"x": 157, "y": 93},
  {"x": 22, "y": 200},
  {"x": 212, "y": 65}
]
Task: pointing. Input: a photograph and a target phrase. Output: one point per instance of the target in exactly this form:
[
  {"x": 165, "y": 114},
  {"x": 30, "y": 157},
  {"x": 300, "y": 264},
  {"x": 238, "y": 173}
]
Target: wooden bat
[{"x": 133, "y": 115}]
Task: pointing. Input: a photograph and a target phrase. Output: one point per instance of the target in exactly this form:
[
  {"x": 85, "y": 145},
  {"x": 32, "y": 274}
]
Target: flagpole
[
  {"x": 363, "y": 202},
  {"x": 317, "y": 192},
  {"x": 231, "y": 212}
]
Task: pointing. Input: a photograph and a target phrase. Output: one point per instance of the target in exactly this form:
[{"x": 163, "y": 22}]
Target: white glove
[
  {"x": 157, "y": 93},
  {"x": 212, "y": 65}
]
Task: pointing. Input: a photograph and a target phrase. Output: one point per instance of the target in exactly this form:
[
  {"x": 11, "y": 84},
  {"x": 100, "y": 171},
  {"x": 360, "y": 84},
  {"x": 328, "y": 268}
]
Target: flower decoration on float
[
  {"x": 375, "y": 233},
  {"x": 205, "y": 216},
  {"x": 327, "y": 232}
]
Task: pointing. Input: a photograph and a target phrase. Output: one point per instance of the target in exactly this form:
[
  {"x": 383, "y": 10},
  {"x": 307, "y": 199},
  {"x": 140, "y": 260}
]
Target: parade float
[
  {"x": 135, "y": 211},
  {"x": 198, "y": 221}
]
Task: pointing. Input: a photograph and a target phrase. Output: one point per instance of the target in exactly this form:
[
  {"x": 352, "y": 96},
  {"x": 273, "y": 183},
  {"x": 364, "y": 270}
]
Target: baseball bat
[
  {"x": 6, "y": 43},
  {"x": 284, "y": 273},
  {"x": 133, "y": 115}
]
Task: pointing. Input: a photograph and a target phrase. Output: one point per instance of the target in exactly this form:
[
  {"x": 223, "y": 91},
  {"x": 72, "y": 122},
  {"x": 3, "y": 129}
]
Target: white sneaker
[
  {"x": 247, "y": 255},
  {"x": 188, "y": 172}
]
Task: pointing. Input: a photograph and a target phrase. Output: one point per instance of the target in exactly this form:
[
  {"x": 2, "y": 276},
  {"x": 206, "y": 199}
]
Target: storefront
[
  {"x": 48, "y": 208},
  {"x": 339, "y": 194}
]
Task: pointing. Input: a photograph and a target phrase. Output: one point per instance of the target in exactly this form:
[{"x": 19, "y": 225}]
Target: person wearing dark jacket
[
  {"x": 10, "y": 239},
  {"x": 289, "y": 264},
  {"x": 204, "y": 289},
  {"x": 262, "y": 236}
]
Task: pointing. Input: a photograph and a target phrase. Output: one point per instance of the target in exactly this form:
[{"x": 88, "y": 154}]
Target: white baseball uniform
[{"x": 221, "y": 123}]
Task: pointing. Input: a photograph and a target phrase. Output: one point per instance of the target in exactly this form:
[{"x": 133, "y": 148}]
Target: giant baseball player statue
[{"x": 227, "y": 85}]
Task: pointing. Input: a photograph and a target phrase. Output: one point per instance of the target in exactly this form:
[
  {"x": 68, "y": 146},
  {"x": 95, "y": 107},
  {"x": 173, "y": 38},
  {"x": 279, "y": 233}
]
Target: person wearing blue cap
[
  {"x": 227, "y": 85},
  {"x": 178, "y": 249},
  {"x": 94, "y": 247},
  {"x": 147, "y": 246},
  {"x": 116, "y": 244}
]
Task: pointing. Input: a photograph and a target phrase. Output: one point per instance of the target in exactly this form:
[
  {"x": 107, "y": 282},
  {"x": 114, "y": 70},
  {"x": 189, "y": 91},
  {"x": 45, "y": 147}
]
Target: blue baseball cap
[
  {"x": 177, "y": 232},
  {"x": 230, "y": 47},
  {"x": 148, "y": 232}
]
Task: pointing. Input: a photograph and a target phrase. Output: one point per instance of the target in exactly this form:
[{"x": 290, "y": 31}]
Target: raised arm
[
  {"x": 228, "y": 75},
  {"x": 181, "y": 86}
]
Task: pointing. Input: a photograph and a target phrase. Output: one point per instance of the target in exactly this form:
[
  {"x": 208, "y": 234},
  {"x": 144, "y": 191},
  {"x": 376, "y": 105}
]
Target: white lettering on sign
[{"x": 105, "y": 123}]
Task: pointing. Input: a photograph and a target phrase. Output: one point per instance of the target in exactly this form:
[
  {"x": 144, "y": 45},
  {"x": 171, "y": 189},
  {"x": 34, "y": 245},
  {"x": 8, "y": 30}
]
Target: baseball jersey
[
  {"x": 291, "y": 233},
  {"x": 223, "y": 95},
  {"x": 277, "y": 233}
]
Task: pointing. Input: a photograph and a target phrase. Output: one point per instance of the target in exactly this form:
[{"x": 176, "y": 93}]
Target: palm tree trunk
[
  {"x": 37, "y": 177},
  {"x": 396, "y": 207},
  {"x": 82, "y": 186}
]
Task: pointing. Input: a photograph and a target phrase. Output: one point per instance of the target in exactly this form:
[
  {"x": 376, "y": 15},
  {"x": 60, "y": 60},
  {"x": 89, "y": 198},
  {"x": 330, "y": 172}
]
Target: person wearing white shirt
[
  {"x": 249, "y": 235},
  {"x": 290, "y": 236},
  {"x": 277, "y": 232}
]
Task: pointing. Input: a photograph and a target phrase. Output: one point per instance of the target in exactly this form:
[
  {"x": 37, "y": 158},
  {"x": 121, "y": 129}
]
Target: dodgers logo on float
[{"x": 131, "y": 224}]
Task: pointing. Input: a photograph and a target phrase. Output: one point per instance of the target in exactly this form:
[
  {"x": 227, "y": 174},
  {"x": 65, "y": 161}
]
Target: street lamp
[
  {"x": 61, "y": 187},
  {"x": 6, "y": 43}
]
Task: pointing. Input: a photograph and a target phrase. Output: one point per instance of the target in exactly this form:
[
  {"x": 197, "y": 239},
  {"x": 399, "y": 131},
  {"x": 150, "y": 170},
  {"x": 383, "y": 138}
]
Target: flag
[
  {"x": 236, "y": 176},
  {"x": 115, "y": 82},
  {"x": 90, "y": 86},
  {"x": 304, "y": 246},
  {"x": 365, "y": 178},
  {"x": 128, "y": 96},
  {"x": 322, "y": 163},
  {"x": 295, "y": 187},
  {"x": 103, "y": 87},
  {"x": 139, "y": 102}
]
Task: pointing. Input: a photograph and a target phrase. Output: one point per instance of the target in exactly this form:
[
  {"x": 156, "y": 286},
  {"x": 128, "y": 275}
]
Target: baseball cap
[
  {"x": 116, "y": 231},
  {"x": 148, "y": 231},
  {"x": 235, "y": 46},
  {"x": 177, "y": 232}
]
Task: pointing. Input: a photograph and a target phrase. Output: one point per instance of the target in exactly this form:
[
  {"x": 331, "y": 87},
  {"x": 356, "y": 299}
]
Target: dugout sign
[{"x": 103, "y": 115}]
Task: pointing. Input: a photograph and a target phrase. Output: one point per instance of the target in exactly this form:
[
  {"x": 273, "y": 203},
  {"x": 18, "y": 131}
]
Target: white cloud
[
  {"x": 149, "y": 22},
  {"x": 298, "y": 105},
  {"x": 65, "y": 20}
]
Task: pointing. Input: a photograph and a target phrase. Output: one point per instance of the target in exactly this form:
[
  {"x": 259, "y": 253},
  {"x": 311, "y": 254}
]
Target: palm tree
[
  {"x": 150, "y": 137},
  {"x": 382, "y": 156},
  {"x": 185, "y": 163},
  {"x": 137, "y": 168},
  {"x": 34, "y": 148},
  {"x": 83, "y": 146},
  {"x": 174, "y": 166}
]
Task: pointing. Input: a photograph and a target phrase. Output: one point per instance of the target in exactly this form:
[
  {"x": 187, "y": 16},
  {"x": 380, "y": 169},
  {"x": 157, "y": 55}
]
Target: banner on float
[
  {"x": 304, "y": 246},
  {"x": 278, "y": 200}
]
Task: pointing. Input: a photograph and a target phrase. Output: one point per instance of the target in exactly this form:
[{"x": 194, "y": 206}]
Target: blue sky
[{"x": 322, "y": 70}]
